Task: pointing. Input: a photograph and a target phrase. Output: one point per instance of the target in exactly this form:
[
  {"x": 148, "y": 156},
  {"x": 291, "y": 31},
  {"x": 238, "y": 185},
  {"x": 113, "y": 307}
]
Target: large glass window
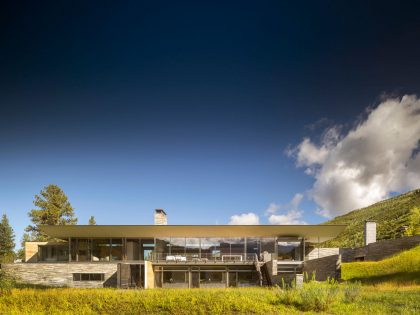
[
  {"x": 116, "y": 249},
  {"x": 53, "y": 253},
  {"x": 174, "y": 277},
  {"x": 101, "y": 249},
  {"x": 162, "y": 248},
  {"x": 192, "y": 248},
  {"x": 212, "y": 279},
  {"x": 177, "y": 246},
  {"x": 210, "y": 248},
  {"x": 252, "y": 247},
  {"x": 289, "y": 249},
  {"x": 232, "y": 249},
  {"x": 83, "y": 250},
  {"x": 147, "y": 249},
  {"x": 133, "y": 249},
  {"x": 268, "y": 244}
]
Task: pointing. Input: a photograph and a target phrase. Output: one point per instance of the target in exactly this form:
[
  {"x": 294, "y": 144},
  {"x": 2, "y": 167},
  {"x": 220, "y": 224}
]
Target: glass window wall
[
  {"x": 101, "y": 249},
  {"x": 116, "y": 249},
  {"x": 210, "y": 248},
  {"x": 52, "y": 253},
  {"x": 133, "y": 249},
  {"x": 192, "y": 248},
  {"x": 289, "y": 249}
]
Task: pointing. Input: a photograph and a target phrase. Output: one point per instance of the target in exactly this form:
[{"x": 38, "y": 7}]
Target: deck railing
[{"x": 203, "y": 258}]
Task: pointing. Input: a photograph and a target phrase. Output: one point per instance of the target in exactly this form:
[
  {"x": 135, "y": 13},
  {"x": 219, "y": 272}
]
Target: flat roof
[{"x": 310, "y": 232}]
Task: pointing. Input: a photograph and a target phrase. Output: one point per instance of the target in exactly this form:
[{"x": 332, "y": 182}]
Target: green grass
[
  {"x": 389, "y": 214},
  {"x": 401, "y": 268},
  {"x": 371, "y": 300}
]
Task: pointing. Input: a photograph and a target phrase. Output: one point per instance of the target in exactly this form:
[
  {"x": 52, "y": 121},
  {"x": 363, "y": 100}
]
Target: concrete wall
[
  {"x": 149, "y": 275},
  {"x": 323, "y": 268},
  {"x": 382, "y": 249},
  {"x": 31, "y": 251},
  {"x": 61, "y": 274},
  {"x": 316, "y": 253}
]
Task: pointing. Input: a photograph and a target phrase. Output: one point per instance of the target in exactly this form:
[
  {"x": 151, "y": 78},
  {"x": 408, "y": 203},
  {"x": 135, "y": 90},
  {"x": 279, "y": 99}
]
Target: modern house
[{"x": 161, "y": 255}]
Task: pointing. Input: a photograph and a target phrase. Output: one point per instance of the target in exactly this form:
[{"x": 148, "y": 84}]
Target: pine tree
[
  {"x": 92, "y": 220},
  {"x": 53, "y": 209},
  {"x": 7, "y": 241},
  {"x": 21, "y": 252}
]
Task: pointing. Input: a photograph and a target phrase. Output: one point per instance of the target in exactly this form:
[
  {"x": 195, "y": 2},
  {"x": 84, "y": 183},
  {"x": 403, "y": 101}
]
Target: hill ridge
[{"x": 390, "y": 214}]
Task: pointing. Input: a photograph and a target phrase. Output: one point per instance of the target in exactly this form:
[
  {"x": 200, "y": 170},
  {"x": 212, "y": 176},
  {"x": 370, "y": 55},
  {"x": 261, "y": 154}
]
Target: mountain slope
[{"x": 390, "y": 215}]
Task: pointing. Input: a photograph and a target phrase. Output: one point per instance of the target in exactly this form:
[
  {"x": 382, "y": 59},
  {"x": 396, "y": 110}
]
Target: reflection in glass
[
  {"x": 253, "y": 245},
  {"x": 83, "y": 250},
  {"x": 116, "y": 249},
  {"x": 162, "y": 247},
  {"x": 192, "y": 248},
  {"x": 101, "y": 249},
  {"x": 53, "y": 252},
  {"x": 210, "y": 248},
  {"x": 177, "y": 246},
  {"x": 289, "y": 249}
]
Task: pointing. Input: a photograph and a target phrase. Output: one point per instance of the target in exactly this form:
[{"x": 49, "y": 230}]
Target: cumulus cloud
[
  {"x": 291, "y": 214},
  {"x": 245, "y": 219},
  {"x": 291, "y": 217},
  {"x": 380, "y": 155}
]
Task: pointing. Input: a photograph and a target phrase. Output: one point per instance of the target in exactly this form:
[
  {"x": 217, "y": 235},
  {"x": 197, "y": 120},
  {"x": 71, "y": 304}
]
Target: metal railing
[{"x": 203, "y": 258}]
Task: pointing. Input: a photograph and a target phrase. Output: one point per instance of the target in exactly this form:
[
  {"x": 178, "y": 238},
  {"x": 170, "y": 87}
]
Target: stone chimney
[
  {"x": 160, "y": 217},
  {"x": 370, "y": 232}
]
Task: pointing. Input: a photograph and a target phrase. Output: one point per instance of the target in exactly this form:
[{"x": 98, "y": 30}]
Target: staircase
[{"x": 265, "y": 277}]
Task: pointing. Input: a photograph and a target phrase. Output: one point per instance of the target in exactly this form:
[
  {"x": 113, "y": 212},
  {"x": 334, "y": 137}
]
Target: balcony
[{"x": 220, "y": 258}]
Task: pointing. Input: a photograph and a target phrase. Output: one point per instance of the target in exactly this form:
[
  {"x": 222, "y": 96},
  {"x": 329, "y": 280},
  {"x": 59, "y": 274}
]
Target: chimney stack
[
  {"x": 160, "y": 217},
  {"x": 370, "y": 232}
]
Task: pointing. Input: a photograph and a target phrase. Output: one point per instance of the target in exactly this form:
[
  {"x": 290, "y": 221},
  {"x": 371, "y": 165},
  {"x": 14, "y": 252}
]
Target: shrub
[
  {"x": 352, "y": 291},
  {"x": 318, "y": 296},
  {"x": 6, "y": 282}
]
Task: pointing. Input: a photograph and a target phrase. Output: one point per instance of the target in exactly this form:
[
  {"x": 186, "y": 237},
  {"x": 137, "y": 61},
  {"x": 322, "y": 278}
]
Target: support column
[{"x": 69, "y": 249}]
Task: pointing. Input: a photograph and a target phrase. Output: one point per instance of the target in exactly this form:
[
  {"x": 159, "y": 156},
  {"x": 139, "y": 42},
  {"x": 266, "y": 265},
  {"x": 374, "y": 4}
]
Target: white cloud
[
  {"x": 291, "y": 217},
  {"x": 272, "y": 208},
  {"x": 245, "y": 219},
  {"x": 297, "y": 198},
  {"x": 380, "y": 155}
]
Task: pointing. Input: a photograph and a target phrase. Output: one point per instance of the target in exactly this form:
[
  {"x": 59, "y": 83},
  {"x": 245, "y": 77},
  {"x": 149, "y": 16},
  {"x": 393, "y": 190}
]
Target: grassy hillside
[
  {"x": 401, "y": 268},
  {"x": 389, "y": 214}
]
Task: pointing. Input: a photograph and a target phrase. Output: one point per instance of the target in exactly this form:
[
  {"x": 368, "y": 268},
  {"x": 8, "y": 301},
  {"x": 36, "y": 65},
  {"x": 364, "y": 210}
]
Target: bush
[
  {"x": 6, "y": 282},
  {"x": 313, "y": 296},
  {"x": 318, "y": 296},
  {"x": 352, "y": 291}
]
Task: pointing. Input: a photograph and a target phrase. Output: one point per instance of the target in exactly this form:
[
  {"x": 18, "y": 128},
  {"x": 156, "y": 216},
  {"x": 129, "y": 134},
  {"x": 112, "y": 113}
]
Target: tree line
[{"x": 52, "y": 208}]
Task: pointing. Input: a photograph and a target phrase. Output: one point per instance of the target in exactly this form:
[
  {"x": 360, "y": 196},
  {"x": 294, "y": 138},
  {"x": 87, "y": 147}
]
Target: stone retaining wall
[
  {"x": 382, "y": 249},
  {"x": 61, "y": 274},
  {"x": 323, "y": 268}
]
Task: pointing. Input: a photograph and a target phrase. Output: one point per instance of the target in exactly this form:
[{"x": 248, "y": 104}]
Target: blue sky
[{"x": 192, "y": 107}]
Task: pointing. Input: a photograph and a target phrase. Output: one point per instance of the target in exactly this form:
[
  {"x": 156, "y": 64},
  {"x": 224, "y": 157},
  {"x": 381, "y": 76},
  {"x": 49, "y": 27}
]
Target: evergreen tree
[
  {"x": 21, "y": 252},
  {"x": 53, "y": 209},
  {"x": 92, "y": 220},
  {"x": 7, "y": 241}
]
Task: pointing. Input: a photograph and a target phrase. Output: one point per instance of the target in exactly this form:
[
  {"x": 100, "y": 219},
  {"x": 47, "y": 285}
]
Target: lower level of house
[{"x": 146, "y": 274}]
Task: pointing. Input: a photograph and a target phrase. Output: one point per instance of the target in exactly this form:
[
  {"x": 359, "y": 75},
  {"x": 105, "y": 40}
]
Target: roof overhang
[{"x": 312, "y": 233}]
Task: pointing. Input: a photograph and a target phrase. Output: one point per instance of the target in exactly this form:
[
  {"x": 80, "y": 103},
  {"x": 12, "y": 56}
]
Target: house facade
[{"x": 171, "y": 256}]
